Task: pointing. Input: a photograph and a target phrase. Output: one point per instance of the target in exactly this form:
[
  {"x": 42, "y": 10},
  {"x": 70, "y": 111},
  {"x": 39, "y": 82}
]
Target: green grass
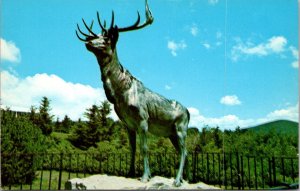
[
  {"x": 46, "y": 184},
  {"x": 60, "y": 143},
  {"x": 60, "y": 136}
]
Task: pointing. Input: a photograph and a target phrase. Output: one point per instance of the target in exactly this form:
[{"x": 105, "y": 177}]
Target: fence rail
[{"x": 224, "y": 170}]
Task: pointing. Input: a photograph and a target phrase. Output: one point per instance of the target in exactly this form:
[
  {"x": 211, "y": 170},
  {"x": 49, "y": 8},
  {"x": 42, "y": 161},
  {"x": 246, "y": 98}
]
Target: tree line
[{"x": 38, "y": 132}]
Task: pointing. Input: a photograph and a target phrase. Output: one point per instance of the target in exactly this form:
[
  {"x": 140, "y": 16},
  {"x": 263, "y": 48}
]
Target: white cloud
[
  {"x": 290, "y": 113},
  {"x": 9, "y": 51},
  {"x": 295, "y": 64},
  {"x": 206, "y": 45},
  {"x": 213, "y": 2},
  {"x": 194, "y": 30},
  {"x": 174, "y": 47},
  {"x": 230, "y": 100},
  {"x": 224, "y": 122},
  {"x": 232, "y": 121},
  {"x": 295, "y": 53},
  {"x": 67, "y": 98},
  {"x": 274, "y": 45}
]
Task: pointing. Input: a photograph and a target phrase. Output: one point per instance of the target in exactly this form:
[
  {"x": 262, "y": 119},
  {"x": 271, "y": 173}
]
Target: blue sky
[{"x": 230, "y": 62}]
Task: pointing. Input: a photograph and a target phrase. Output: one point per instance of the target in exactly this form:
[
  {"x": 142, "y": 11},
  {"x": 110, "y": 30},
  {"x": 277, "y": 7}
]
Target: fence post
[
  {"x": 207, "y": 164},
  {"x": 292, "y": 163},
  {"x": 255, "y": 172},
  {"x": 41, "y": 179},
  {"x": 60, "y": 170},
  {"x": 219, "y": 175},
  {"x": 50, "y": 176},
  {"x": 242, "y": 171},
  {"x": 230, "y": 165},
  {"x": 238, "y": 170},
  {"x": 213, "y": 173},
  {"x": 282, "y": 168},
  {"x": 270, "y": 172},
  {"x": 224, "y": 169},
  {"x": 262, "y": 172},
  {"x": 33, "y": 163},
  {"x": 70, "y": 165},
  {"x": 194, "y": 166},
  {"x": 85, "y": 165},
  {"x": 274, "y": 170}
]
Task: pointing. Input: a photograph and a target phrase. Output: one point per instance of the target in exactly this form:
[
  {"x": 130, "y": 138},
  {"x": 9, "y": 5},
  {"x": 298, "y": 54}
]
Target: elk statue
[{"x": 140, "y": 109}]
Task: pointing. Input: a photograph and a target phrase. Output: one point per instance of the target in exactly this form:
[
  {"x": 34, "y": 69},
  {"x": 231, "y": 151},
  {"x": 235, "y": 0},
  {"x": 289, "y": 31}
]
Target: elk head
[{"x": 104, "y": 44}]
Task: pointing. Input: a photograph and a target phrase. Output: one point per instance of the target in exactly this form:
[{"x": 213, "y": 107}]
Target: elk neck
[{"x": 116, "y": 79}]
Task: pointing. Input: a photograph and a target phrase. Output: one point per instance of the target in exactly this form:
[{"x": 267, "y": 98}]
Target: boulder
[{"x": 98, "y": 182}]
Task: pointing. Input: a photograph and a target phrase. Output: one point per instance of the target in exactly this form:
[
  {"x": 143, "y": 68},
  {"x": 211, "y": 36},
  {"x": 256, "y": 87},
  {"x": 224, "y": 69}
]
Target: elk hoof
[
  {"x": 145, "y": 178},
  {"x": 177, "y": 183}
]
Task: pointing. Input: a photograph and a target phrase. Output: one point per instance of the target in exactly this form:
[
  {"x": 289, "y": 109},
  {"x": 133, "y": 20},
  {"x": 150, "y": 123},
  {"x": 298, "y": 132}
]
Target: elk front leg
[{"x": 144, "y": 150}]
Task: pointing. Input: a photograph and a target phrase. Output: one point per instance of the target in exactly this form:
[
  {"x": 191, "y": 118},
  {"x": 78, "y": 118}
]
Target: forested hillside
[{"x": 279, "y": 126}]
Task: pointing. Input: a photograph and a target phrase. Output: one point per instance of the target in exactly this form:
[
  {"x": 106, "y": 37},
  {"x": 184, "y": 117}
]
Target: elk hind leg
[
  {"x": 178, "y": 141},
  {"x": 144, "y": 150}
]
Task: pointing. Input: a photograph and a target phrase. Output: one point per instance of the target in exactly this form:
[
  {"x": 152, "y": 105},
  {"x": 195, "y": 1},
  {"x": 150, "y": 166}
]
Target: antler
[
  {"x": 135, "y": 26},
  {"x": 149, "y": 20},
  {"x": 88, "y": 37}
]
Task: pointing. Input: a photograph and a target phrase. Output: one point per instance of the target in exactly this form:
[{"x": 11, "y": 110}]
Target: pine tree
[
  {"x": 217, "y": 137},
  {"x": 104, "y": 110},
  {"x": 66, "y": 124},
  {"x": 93, "y": 123},
  {"x": 80, "y": 136},
  {"x": 57, "y": 126},
  {"x": 87, "y": 133},
  {"x": 45, "y": 119},
  {"x": 106, "y": 127},
  {"x": 19, "y": 135},
  {"x": 33, "y": 116}
]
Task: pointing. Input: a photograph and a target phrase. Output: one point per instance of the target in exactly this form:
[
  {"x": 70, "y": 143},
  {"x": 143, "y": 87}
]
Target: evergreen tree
[
  {"x": 66, "y": 124},
  {"x": 104, "y": 112},
  {"x": 203, "y": 138},
  {"x": 93, "y": 123},
  {"x": 106, "y": 128},
  {"x": 217, "y": 137},
  {"x": 45, "y": 119},
  {"x": 87, "y": 133},
  {"x": 57, "y": 125},
  {"x": 80, "y": 137},
  {"x": 33, "y": 116},
  {"x": 19, "y": 135}
]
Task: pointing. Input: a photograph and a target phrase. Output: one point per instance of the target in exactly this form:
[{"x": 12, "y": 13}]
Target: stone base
[{"x": 98, "y": 182}]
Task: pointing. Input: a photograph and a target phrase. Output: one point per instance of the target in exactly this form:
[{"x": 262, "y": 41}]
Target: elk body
[{"x": 140, "y": 109}]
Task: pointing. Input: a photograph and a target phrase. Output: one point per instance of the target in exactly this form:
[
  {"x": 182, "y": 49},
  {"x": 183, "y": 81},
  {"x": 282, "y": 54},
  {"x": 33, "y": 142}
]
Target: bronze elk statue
[{"x": 140, "y": 109}]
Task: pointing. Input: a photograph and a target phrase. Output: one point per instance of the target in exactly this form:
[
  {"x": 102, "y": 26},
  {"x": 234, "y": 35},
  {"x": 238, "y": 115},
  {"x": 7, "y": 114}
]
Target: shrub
[{"x": 20, "y": 138}]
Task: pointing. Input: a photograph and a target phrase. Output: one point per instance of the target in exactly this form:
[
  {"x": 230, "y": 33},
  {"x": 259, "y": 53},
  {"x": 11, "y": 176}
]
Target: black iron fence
[{"x": 224, "y": 170}]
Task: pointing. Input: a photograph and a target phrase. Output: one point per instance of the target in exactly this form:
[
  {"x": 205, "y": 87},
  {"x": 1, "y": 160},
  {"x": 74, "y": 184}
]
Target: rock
[{"x": 122, "y": 183}]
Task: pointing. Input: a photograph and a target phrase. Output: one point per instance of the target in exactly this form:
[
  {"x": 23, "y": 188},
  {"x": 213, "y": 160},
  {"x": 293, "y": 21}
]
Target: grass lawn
[{"x": 46, "y": 183}]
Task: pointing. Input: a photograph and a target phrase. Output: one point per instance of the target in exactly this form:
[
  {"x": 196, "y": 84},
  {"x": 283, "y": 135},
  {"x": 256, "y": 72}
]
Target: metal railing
[{"x": 224, "y": 170}]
